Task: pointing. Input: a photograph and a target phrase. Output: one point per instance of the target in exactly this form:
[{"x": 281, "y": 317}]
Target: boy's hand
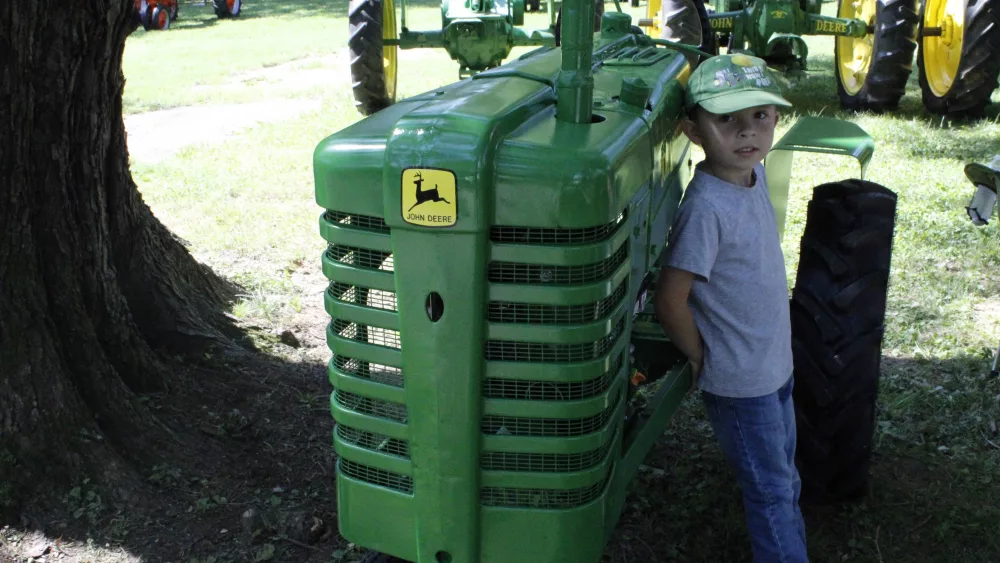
[
  {"x": 672, "y": 290},
  {"x": 695, "y": 375}
]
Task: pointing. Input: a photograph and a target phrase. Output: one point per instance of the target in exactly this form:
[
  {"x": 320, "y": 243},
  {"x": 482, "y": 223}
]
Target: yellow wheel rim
[
  {"x": 389, "y": 52},
  {"x": 942, "y": 54},
  {"x": 854, "y": 54}
]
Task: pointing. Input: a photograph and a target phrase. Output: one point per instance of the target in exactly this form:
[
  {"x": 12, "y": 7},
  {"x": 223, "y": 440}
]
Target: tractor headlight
[{"x": 981, "y": 207}]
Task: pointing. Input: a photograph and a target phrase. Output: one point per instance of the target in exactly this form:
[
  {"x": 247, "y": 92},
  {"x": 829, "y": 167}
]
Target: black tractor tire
[
  {"x": 160, "y": 18},
  {"x": 175, "y": 11},
  {"x": 978, "y": 68},
  {"x": 368, "y": 78},
  {"x": 892, "y": 58},
  {"x": 837, "y": 315},
  {"x": 598, "y": 13},
  {"x": 376, "y": 557},
  {"x": 686, "y": 21},
  {"x": 222, "y": 10}
]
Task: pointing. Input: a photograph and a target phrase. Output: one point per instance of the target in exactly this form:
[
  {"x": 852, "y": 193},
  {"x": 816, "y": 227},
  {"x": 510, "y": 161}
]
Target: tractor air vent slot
[
  {"x": 525, "y": 390},
  {"x": 512, "y": 272},
  {"x": 367, "y": 297},
  {"x": 542, "y": 498},
  {"x": 368, "y": 334},
  {"x": 387, "y": 375},
  {"x": 533, "y": 235},
  {"x": 531, "y": 313},
  {"x": 360, "y": 257},
  {"x": 524, "y": 426},
  {"x": 365, "y": 222},
  {"x": 375, "y": 476},
  {"x": 512, "y": 351},
  {"x": 374, "y": 442},
  {"x": 543, "y": 463},
  {"x": 371, "y": 407}
]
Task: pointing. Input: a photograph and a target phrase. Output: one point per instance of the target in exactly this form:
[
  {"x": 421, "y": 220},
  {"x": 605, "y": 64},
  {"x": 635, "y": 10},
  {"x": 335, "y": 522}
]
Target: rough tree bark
[{"x": 92, "y": 286}]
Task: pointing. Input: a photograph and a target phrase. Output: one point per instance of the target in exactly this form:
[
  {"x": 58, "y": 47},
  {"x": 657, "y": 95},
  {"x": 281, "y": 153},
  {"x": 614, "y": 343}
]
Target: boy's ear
[{"x": 689, "y": 129}]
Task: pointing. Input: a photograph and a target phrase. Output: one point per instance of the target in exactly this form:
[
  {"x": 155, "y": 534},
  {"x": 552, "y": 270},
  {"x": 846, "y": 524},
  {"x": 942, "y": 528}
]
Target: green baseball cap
[{"x": 728, "y": 83}]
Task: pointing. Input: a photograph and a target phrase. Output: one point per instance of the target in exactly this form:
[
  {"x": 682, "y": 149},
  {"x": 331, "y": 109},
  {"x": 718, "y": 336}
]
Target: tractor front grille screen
[
  {"x": 526, "y": 390},
  {"x": 524, "y": 426},
  {"x": 541, "y": 498},
  {"x": 366, "y": 222},
  {"x": 531, "y": 313},
  {"x": 368, "y": 334},
  {"x": 374, "y": 298},
  {"x": 371, "y": 407},
  {"x": 544, "y": 463},
  {"x": 512, "y": 272},
  {"x": 374, "y": 442},
  {"x": 360, "y": 257},
  {"x": 375, "y": 476},
  {"x": 367, "y": 370},
  {"x": 531, "y": 235},
  {"x": 511, "y": 351}
]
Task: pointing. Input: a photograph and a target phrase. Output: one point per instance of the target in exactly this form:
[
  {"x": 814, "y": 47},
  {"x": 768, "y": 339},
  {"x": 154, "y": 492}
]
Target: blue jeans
[{"x": 758, "y": 437}]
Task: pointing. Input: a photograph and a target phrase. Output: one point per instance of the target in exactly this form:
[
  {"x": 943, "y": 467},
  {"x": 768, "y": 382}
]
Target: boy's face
[{"x": 733, "y": 142}]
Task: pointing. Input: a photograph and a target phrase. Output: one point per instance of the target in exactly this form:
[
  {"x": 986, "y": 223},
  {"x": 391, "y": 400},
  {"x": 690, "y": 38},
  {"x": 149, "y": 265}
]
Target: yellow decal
[
  {"x": 741, "y": 60},
  {"x": 721, "y": 23},
  {"x": 831, "y": 27},
  {"x": 429, "y": 197},
  {"x": 779, "y": 14}
]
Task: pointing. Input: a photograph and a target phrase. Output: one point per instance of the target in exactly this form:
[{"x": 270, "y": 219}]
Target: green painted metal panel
[
  {"x": 558, "y": 256},
  {"x": 360, "y": 313},
  {"x": 559, "y": 295},
  {"x": 368, "y": 352},
  {"x": 370, "y": 527},
  {"x": 366, "y": 387},
  {"x": 550, "y": 481},
  {"x": 567, "y": 372},
  {"x": 554, "y": 333},
  {"x": 366, "y": 422},
  {"x": 555, "y": 409},
  {"x": 353, "y": 237},
  {"x": 371, "y": 458},
  {"x": 373, "y": 279}
]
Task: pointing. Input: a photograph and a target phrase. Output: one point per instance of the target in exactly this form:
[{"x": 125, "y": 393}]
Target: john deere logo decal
[
  {"x": 429, "y": 197},
  {"x": 778, "y": 14}
]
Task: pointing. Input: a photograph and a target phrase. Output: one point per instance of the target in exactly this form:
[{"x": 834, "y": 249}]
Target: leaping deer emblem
[{"x": 424, "y": 196}]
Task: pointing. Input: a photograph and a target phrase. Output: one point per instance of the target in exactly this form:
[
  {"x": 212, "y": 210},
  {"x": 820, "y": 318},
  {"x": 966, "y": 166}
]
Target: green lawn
[{"x": 245, "y": 206}]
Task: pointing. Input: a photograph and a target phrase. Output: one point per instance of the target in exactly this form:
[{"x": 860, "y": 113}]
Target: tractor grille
[
  {"x": 542, "y": 498},
  {"x": 374, "y": 441},
  {"x": 526, "y": 390},
  {"x": 543, "y": 463},
  {"x": 360, "y": 257},
  {"x": 511, "y": 272},
  {"x": 562, "y": 427},
  {"x": 530, "y": 235},
  {"x": 371, "y": 407},
  {"x": 530, "y": 313},
  {"x": 387, "y": 375},
  {"x": 366, "y": 297},
  {"x": 365, "y": 333},
  {"x": 376, "y": 476},
  {"x": 354, "y": 221},
  {"x": 509, "y": 351}
]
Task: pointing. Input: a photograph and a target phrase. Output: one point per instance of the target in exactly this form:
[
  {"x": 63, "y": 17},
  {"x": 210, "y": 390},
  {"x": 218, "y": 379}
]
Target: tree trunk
[{"x": 92, "y": 286}]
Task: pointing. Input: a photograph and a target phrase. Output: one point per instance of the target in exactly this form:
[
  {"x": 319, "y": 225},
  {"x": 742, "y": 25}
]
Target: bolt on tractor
[
  {"x": 159, "y": 14},
  {"x": 477, "y": 34},
  {"x": 492, "y": 246},
  {"x": 956, "y": 43}
]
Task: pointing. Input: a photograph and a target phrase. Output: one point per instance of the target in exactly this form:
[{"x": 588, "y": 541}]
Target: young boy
[{"x": 722, "y": 296}]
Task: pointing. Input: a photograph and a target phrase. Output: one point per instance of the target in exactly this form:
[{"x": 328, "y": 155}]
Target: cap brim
[{"x": 738, "y": 101}]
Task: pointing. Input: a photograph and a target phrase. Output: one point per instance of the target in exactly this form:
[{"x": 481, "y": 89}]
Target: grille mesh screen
[
  {"x": 531, "y": 313},
  {"x": 371, "y": 407},
  {"x": 368, "y": 370},
  {"x": 375, "y": 476},
  {"x": 512, "y": 272},
  {"x": 545, "y": 463},
  {"x": 360, "y": 257},
  {"x": 366, "y": 222},
  {"x": 525, "y": 426},
  {"x": 373, "y": 441},
  {"x": 541, "y": 498},
  {"x": 368, "y": 334},
  {"x": 531, "y": 235},
  {"x": 511, "y": 351},
  {"x": 526, "y": 390},
  {"x": 374, "y": 298}
]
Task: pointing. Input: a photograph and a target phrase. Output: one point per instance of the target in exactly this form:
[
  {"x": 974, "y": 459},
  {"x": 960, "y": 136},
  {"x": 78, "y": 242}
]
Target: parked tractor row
[{"x": 160, "y": 14}]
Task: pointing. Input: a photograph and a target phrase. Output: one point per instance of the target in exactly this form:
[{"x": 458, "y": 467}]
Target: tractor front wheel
[
  {"x": 957, "y": 59},
  {"x": 838, "y": 314},
  {"x": 872, "y": 70},
  {"x": 227, "y": 8},
  {"x": 373, "y": 63},
  {"x": 161, "y": 18}
]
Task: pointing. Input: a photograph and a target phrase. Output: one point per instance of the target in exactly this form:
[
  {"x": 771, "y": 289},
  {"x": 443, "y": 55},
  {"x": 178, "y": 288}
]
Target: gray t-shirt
[{"x": 727, "y": 236}]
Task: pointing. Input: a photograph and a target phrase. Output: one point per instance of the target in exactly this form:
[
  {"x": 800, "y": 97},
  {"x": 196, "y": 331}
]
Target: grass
[{"x": 245, "y": 207}]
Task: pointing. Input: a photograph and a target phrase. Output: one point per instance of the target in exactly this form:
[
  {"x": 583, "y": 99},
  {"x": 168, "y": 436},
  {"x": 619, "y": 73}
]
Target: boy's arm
[{"x": 674, "y": 314}]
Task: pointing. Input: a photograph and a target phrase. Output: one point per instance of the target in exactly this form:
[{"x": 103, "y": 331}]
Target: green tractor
[
  {"x": 477, "y": 34},
  {"x": 492, "y": 246},
  {"x": 956, "y": 41}
]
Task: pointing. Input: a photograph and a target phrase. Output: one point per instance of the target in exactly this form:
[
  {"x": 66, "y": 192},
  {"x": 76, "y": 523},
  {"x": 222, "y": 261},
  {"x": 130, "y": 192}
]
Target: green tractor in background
[
  {"x": 477, "y": 34},
  {"x": 492, "y": 247},
  {"x": 956, "y": 42}
]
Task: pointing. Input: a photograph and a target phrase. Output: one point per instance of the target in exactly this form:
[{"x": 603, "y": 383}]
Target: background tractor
[
  {"x": 477, "y": 34},
  {"x": 492, "y": 246},
  {"x": 159, "y": 14},
  {"x": 955, "y": 40}
]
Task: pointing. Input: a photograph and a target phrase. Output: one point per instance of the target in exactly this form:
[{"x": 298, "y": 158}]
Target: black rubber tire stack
[
  {"x": 837, "y": 313},
  {"x": 892, "y": 58},
  {"x": 978, "y": 69},
  {"x": 367, "y": 68}
]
